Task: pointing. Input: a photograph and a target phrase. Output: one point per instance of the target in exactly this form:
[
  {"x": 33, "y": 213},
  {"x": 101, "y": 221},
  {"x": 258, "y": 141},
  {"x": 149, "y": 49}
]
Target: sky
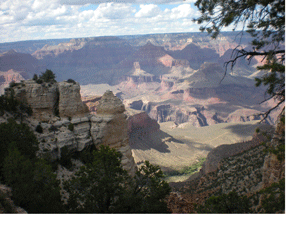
[{"x": 52, "y": 19}]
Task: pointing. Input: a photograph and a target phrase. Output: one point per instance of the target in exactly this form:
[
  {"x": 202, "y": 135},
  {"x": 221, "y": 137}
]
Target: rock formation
[
  {"x": 70, "y": 103},
  {"x": 51, "y": 99},
  {"x": 68, "y": 127}
]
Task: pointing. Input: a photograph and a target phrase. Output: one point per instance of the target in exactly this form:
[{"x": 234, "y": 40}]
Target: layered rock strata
[{"x": 75, "y": 129}]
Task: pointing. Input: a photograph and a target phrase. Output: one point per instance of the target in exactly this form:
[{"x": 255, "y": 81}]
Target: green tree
[
  {"x": 225, "y": 203},
  {"x": 150, "y": 190},
  {"x": 48, "y": 76},
  {"x": 99, "y": 186},
  {"x": 34, "y": 186},
  {"x": 264, "y": 20},
  {"x": 103, "y": 186},
  {"x": 21, "y": 135}
]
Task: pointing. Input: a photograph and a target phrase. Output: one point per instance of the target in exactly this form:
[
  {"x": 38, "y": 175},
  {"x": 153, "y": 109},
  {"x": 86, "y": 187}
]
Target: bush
[
  {"x": 225, "y": 203},
  {"x": 35, "y": 77},
  {"x": 12, "y": 84},
  {"x": 22, "y": 135},
  {"x": 39, "y": 81},
  {"x": 71, "y": 81},
  {"x": 273, "y": 200},
  {"x": 71, "y": 126},
  {"x": 65, "y": 158},
  {"x": 39, "y": 129},
  {"x": 103, "y": 186},
  {"x": 34, "y": 185},
  {"x": 48, "y": 76},
  {"x": 53, "y": 128}
]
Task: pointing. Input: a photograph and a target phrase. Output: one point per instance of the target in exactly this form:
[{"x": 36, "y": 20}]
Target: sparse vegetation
[
  {"x": 71, "y": 126},
  {"x": 225, "y": 203},
  {"x": 188, "y": 170},
  {"x": 47, "y": 76},
  {"x": 71, "y": 81},
  {"x": 39, "y": 129}
]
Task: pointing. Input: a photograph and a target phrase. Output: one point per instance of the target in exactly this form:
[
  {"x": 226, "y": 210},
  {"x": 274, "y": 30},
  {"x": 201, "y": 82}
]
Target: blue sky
[{"x": 48, "y": 19}]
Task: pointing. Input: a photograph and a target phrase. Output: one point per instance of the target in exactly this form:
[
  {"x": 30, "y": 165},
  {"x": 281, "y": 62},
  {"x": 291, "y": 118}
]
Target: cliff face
[
  {"x": 244, "y": 168},
  {"x": 48, "y": 100},
  {"x": 75, "y": 129}
]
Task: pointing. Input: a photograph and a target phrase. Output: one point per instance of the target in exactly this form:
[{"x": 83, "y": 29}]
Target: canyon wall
[{"x": 67, "y": 126}]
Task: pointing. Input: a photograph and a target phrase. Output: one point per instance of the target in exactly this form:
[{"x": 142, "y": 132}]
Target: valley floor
[{"x": 175, "y": 147}]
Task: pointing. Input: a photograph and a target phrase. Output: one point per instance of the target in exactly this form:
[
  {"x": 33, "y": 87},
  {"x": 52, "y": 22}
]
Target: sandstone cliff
[{"x": 66, "y": 126}]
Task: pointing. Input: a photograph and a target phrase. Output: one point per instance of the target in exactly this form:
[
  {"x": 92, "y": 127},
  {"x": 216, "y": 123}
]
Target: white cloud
[
  {"x": 183, "y": 11},
  {"x": 148, "y": 11},
  {"x": 40, "y": 19},
  {"x": 113, "y": 11},
  {"x": 84, "y": 2}
]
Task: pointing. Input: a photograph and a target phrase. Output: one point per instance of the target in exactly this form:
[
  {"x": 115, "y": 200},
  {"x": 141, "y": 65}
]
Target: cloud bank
[{"x": 44, "y": 19}]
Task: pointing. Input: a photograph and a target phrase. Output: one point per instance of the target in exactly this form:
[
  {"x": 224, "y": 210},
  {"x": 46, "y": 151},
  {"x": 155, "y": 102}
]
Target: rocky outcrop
[
  {"x": 70, "y": 103},
  {"x": 115, "y": 132},
  {"x": 248, "y": 172},
  {"x": 140, "y": 125},
  {"x": 10, "y": 76},
  {"x": 74, "y": 130},
  {"x": 51, "y": 99},
  {"x": 274, "y": 167}
]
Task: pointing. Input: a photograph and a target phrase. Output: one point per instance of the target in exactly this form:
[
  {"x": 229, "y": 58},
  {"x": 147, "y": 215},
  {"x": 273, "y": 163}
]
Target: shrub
[
  {"x": 48, "y": 76},
  {"x": 34, "y": 185},
  {"x": 65, "y": 157},
  {"x": 71, "y": 81},
  {"x": 12, "y": 84},
  {"x": 39, "y": 81},
  {"x": 103, "y": 186},
  {"x": 225, "y": 203},
  {"x": 35, "y": 77},
  {"x": 39, "y": 129},
  {"x": 52, "y": 128},
  {"x": 71, "y": 126}
]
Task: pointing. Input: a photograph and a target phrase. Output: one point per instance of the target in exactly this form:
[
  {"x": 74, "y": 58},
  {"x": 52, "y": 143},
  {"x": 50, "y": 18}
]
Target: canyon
[
  {"x": 160, "y": 78},
  {"x": 159, "y": 97}
]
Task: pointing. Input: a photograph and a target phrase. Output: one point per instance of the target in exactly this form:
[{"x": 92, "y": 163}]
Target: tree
[
  {"x": 103, "y": 186},
  {"x": 264, "y": 20},
  {"x": 99, "y": 186},
  {"x": 48, "y": 76},
  {"x": 150, "y": 190},
  {"x": 225, "y": 203},
  {"x": 23, "y": 138},
  {"x": 34, "y": 185}
]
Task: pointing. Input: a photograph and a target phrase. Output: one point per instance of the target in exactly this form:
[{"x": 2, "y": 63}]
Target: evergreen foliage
[
  {"x": 225, "y": 203},
  {"x": 71, "y": 127},
  {"x": 34, "y": 185},
  {"x": 47, "y": 76},
  {"x": 150, "y": 190},
  {"x": 103, "y": 186},
  {"x": 21, "y": 135},
  {"x": 39, "y": 129},
  {"x": 10, "y": 104},
  {"x": 273, "y": 200},
  {"x": 99, "y": 186}
]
